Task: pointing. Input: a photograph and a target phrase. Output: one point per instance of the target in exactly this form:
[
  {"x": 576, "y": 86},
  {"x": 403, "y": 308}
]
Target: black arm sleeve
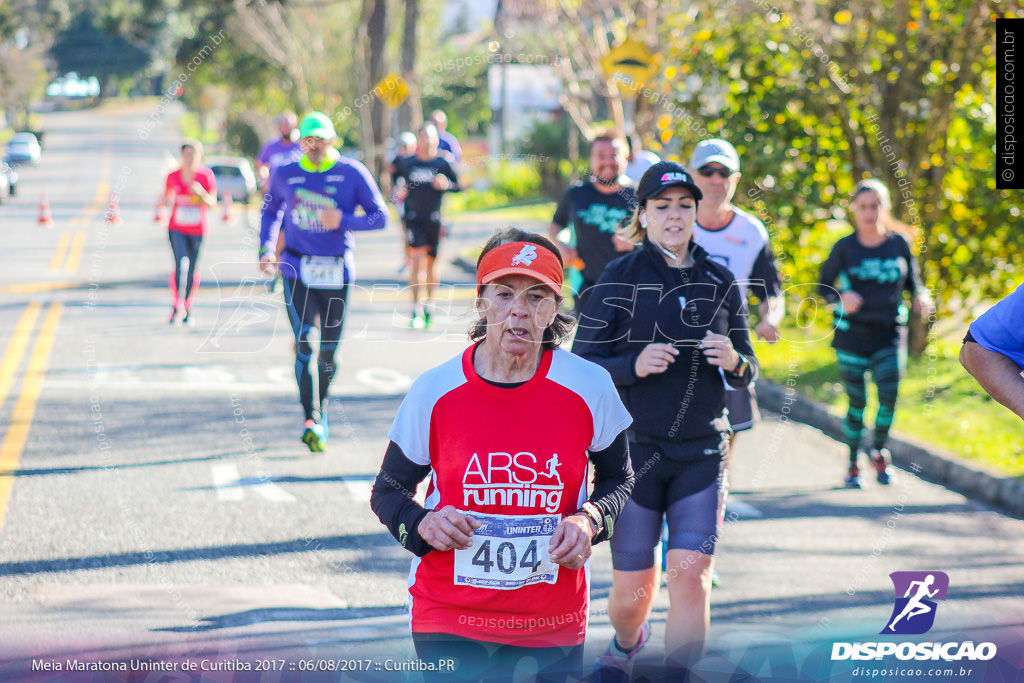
[
  {"x": 739, "y": 335},
  {"x": 602, "y": 324},
  {"x": 830, "y": 270},
  {"x": 913, "y": 284},
  {"x": 449, "y": 172},
  {"x": 397, "y": 169},
  {"x": 392, "y": 499},
  {"x": 613, "y": 482},
  {"x": 562, "y": 211},
  {"x": 764, "y": 276}
]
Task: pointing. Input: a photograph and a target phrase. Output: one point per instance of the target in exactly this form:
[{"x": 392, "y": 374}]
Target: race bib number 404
[{"x": 508, "y": 552}]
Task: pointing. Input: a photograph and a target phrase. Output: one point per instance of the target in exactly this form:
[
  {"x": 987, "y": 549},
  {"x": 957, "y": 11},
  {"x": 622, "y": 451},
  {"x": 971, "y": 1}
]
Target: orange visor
[{"x": 521, "y": 258}]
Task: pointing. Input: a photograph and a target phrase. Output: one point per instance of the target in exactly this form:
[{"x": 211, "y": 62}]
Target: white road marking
[
  {"x": 737, "y": 509},
  {"x": 216, "y": 379},
  {"x": 231, "y": 487},
  {"x": 359, "y": 490},
  {"x": 225, "y": 476},
  {"x": 385, "y": 380}
]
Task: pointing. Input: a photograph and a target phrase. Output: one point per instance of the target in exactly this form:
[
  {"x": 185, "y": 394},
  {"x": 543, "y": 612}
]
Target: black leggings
[
  {"x": 184, "y": 246},
  {"x": 459, "y": 659},
  {"x": 306, "y": 307}
]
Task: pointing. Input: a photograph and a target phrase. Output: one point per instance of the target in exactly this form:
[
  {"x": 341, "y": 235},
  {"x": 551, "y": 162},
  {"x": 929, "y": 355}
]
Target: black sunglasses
[{"x": 708, "y": 171}]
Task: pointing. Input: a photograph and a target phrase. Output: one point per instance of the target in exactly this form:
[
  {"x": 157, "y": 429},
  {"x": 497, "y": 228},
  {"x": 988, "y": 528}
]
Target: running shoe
[
  {"x": 175, "y": 311},
  {"x": 881, "y": 458},
  {"x": 323, "y": 422},
  {"x": 426, "y": 318},
  {"x": 853, "y": 478},
  {"x": 189, "y": 319},
  {"x": 418, "y": 322},
  {"x": 615, "y": 665},
  {"x": 314, "y": 437}
]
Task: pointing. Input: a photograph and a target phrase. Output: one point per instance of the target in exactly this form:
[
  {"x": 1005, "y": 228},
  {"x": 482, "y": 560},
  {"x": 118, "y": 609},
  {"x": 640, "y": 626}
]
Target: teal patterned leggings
[{"x": 885, "y": 370}]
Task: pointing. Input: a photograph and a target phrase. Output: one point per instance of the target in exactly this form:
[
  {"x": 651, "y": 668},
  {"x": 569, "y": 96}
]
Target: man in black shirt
[
  {"x": 595, "y": 208},
  {"x": 421, "y": 182}
]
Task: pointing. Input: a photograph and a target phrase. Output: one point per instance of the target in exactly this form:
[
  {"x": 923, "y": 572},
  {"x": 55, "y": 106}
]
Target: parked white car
[
  {"x": 23, "y": 148},
  {"x": 234, "y": 175}
]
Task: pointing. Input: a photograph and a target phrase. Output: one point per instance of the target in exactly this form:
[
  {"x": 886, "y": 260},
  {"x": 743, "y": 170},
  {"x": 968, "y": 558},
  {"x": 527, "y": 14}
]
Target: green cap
[{"x": 318, "y": 125}]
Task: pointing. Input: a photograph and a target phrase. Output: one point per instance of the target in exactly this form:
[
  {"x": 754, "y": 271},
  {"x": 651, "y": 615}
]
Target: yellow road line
[
  {"x": 37, "y": 287},
  {"x": 62, "y": 245},
  {"x": 102, "y": 191},
  {"x": 16, "y": 348},
  {"x": 25, "y": 408},
  {"x": 75, "y": 254}
]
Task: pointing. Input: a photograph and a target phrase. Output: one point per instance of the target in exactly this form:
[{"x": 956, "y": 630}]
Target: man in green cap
[{"x": 313, "y": 203}]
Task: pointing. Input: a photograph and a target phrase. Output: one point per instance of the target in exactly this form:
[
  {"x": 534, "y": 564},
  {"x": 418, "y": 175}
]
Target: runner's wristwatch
[
  {"x": 594, "y": 515},
  {"x": 741, "y": 367}
]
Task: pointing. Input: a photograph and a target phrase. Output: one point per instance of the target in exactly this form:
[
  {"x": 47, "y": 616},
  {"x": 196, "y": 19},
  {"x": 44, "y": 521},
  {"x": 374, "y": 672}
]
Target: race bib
[
  {"x": 187, "y": 215},
  {"x": 508, "y": 552},
  {"x": 322, "y": 272}
]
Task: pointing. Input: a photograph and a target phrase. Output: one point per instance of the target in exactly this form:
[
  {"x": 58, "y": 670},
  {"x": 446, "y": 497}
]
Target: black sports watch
[{"x": 741, "y": 368}]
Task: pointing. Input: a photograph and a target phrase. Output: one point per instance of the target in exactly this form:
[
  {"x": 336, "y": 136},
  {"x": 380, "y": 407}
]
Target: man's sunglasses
[{"x": 708, "y": 171}]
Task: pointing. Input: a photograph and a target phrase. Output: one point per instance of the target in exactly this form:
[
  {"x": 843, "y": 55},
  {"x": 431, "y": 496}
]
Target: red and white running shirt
[{"x": 518, "y": 459}]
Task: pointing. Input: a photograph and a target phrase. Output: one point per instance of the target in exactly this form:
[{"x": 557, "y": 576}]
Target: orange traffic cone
[
  {"x": 45, "y": 217},
  {"x": 160, "y": 212},
  {"x": 229, "y": 209},
  {"x": 113, "y": 210}
]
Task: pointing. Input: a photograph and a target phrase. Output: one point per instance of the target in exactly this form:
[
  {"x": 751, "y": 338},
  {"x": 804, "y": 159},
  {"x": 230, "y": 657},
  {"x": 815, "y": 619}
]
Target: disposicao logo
[{"x": 913, "y": 614}]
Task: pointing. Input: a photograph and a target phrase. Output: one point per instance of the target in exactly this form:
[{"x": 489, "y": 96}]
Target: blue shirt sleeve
[
  {"x": 271, "y": 213},
  {"x": 1001, "y": 328},
  {"x": 368, "y": 196}
]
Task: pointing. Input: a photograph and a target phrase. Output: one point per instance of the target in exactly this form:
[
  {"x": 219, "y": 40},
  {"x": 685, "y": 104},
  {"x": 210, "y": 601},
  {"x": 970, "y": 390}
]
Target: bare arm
[
  {"x": 771, "y": 313},
  {"x": 997, "y": 374}
]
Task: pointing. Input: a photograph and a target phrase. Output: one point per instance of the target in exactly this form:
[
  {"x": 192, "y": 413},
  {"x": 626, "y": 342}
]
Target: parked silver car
[{"x": 234, "y": 175}]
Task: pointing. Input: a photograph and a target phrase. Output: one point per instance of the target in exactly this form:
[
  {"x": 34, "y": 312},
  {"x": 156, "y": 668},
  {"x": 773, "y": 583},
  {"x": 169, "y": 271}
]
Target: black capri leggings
[{"x": 184, "y": 246}]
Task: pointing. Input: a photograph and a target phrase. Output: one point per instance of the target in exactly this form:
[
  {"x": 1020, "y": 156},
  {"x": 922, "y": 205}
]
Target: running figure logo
[
  {"x": 526, "y": 256},
  {"x": 914, "y": 613},
  {"x": 552, "y": 465}
]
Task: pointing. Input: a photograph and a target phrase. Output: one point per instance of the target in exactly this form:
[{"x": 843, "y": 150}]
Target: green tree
[
  {"x": 819, "y": 96},
  {"x": 87, "y": 50}
]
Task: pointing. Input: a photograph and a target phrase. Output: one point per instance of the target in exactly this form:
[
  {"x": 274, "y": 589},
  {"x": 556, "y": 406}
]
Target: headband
[{"x": 521, "y": 258}]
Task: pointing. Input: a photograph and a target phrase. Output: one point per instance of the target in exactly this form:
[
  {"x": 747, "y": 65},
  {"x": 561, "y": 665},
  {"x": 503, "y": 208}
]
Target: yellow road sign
[
  {"x": 392, "y": 90},
  {"x": 630, "y": 64}
]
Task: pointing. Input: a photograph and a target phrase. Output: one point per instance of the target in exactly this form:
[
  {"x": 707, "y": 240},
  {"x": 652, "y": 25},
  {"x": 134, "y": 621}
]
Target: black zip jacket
[{"x": 639, "y": 300}]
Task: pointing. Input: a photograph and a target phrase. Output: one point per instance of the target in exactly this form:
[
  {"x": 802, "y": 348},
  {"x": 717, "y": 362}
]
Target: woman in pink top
[{"x": 190, "y": 190}]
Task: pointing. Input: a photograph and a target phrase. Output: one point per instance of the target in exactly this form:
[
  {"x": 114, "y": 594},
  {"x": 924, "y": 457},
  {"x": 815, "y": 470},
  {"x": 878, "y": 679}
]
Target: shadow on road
[
  {"x": 302, "y": 545},
  {"x": 277, "y": 614}
]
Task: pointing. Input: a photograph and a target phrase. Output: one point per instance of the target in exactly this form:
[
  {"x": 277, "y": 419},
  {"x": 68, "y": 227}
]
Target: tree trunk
[
  {"x": 409, "y": 114},
  {"x": 375, "y": 124}
]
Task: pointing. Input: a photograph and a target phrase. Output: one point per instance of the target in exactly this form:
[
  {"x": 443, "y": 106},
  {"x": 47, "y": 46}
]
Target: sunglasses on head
[{"x": 708, "y": 171}]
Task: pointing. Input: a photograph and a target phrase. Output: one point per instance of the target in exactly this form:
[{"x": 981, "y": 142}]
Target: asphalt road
[{"x": 156, "y": 502}]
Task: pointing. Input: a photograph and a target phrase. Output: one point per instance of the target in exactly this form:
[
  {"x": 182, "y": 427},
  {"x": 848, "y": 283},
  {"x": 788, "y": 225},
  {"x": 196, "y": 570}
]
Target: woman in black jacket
[{"x": 669, "y": 325}]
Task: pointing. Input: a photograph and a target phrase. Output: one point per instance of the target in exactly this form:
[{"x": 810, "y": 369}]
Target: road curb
[{"x": 927, "y": 461}]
